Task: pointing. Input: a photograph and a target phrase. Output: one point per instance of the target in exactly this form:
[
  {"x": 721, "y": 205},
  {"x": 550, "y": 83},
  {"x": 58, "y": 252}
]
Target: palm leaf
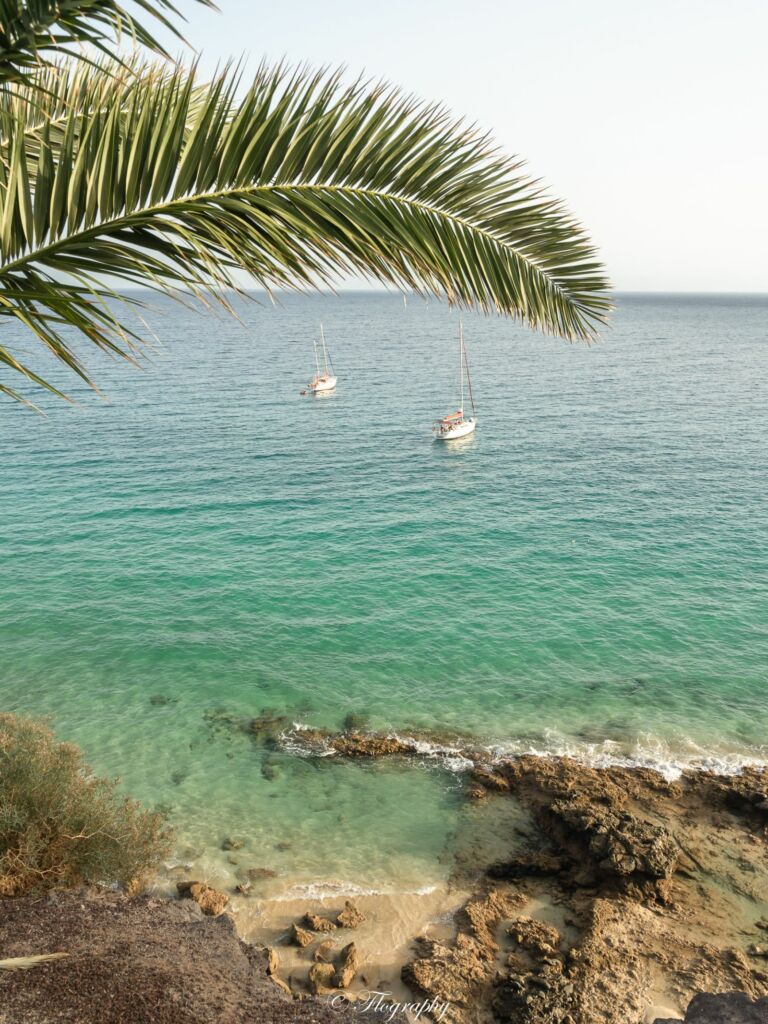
[
  {"x": 164, "y": 185},
  {"x": 31, "y": 28}
]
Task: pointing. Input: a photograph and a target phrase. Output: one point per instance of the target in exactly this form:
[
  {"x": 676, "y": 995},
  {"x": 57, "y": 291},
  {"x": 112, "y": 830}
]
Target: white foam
[
  {"x": 669, "y": 759},
  {"x": 335, "y": 889}
]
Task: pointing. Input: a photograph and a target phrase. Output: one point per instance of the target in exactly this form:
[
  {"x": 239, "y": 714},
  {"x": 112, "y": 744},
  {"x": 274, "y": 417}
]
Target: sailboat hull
[
  {"x": 455, "y": 431},
  {"x": 323, "y": 384}
]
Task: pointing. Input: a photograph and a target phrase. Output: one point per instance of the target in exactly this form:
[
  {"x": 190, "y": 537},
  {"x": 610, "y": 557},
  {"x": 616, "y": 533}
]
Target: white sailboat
[
  {"x": 456, "y": 424},
  {"x": 324, "y": 380}
]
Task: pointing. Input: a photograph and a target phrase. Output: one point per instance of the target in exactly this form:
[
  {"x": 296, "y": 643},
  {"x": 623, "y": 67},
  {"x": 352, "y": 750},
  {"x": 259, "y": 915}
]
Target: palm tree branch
[
  {"x": 31, "y": 28},
  {"x": 300, "y": 180}
]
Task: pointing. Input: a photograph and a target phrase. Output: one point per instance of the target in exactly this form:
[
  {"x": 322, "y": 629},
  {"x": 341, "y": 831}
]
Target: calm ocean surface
[{"x": 588, "y": 573}]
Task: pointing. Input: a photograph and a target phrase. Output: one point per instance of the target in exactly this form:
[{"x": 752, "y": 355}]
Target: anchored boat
[
  {"x": 325, "y": 379},
  {"x": 456, "y": 424}
]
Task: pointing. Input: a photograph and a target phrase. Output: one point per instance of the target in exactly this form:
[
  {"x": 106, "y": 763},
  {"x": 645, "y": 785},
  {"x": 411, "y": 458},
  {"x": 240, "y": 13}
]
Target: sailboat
[
  {"x": 324, "y": 380},
  {"x": 456, "y": 424}
]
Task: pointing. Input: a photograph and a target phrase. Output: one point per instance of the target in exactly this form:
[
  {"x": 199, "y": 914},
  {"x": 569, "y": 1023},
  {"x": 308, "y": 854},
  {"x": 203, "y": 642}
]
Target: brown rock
[
  {"x": 301, "y": 937},
  {"x": 350, "y": 916},
  {"x": 533, "y": 865},
  {"x": 536, "y": 937},
  {"x": 347, "y": 966},
  {"x": 319, "y": 924},
  {"x": 231, "y": 843},
  {"x": 281, "y": 984},
  {"x": 487, "y": 911},
  {"x": 323, "y": 953},
  {"x": 618, "y": 843},
  {"x": 268, "y": 957},
  {"x": 358, "y": 744},
  {"x": 490, "y": 780},
  {"x": 542, "y": 996},
  {"x": 322, "y": 978},
  {"x": 210, "y": 900},
  {"x": 272, "y": 962},
  {"x": 452, "y": 974}
]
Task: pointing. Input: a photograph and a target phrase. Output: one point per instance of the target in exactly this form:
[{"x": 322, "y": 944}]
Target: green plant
[{"x": 62, "y": 826}]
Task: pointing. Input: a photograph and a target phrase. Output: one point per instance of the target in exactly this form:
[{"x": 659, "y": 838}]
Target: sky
[{"x": 648, "y": 119}]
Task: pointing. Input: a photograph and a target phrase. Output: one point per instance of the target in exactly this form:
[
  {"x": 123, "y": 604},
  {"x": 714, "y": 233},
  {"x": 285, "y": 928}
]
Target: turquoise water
[{"x": 589, "y": 572}]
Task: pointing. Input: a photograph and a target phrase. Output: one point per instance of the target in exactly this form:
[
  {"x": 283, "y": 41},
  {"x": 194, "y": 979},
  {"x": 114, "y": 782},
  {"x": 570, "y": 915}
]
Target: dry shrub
[{"x": 62, "y": 826}]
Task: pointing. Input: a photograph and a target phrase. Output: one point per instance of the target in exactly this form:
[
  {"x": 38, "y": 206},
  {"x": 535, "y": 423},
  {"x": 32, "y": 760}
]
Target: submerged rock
[
  {"x": 231, "y": 843},
  {"x": 356, "y": 723},
  {"x": 210, "y": 901},
  {"x": 350, "y": 916},
  {"x": 257, "y": 874},
  {"x": 268, "y": 727}
]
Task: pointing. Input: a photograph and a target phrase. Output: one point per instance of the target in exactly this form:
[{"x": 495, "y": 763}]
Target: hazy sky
[{"x": 648, "y": 118}]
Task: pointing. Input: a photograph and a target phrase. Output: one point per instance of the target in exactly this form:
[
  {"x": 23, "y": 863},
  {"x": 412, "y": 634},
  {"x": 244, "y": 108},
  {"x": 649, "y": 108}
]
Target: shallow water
[{"x": 588, "y": 573}]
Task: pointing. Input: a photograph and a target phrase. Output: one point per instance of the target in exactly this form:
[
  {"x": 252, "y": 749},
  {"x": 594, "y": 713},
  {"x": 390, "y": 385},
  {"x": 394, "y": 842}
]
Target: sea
[{"x": 203, "y": 544}]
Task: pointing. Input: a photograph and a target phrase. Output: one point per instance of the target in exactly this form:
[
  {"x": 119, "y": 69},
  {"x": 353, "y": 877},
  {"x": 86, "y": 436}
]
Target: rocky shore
[
  {"x": 624, "y": 894},
  {"x": 621, "y": 898}
]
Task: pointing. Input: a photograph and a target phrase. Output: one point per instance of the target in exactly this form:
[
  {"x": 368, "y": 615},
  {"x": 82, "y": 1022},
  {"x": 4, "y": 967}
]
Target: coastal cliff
[{"x": 135, "y": 961}]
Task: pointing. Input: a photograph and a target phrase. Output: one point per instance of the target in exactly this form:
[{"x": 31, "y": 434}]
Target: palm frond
[
  {"x": 25, "y": 963},
  {"x": 64, "y": 94},
  {"x": 29, "y": 29},
  {"x": 162, "y": 185}
]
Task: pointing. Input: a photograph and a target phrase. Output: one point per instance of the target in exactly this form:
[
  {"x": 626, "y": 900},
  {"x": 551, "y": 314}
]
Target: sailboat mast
[
  {"x": 317, "y": 361},
  {"x": 461, "y": 364},
  {"x": 325, "y": 351},
  {"x": 469, "y": 379}
]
